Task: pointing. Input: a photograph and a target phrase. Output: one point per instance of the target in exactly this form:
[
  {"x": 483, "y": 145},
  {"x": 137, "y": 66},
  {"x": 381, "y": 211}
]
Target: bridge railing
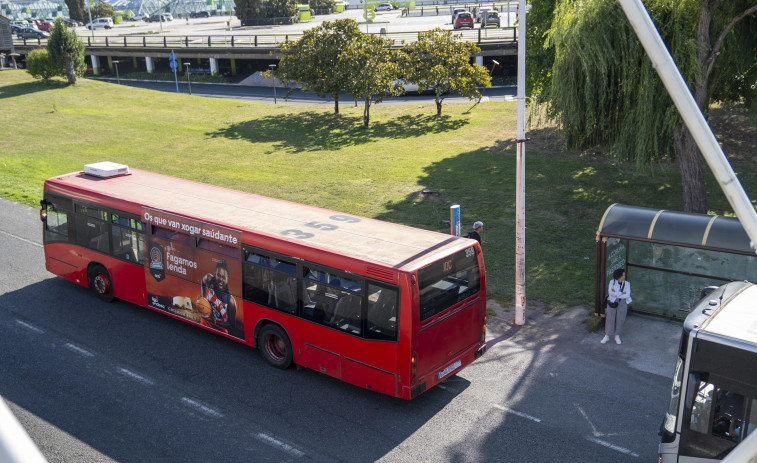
[{"x": 479, "y": 36}]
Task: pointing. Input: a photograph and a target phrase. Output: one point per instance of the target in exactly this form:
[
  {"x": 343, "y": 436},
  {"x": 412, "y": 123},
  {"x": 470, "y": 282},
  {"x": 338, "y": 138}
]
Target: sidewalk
[{"x": 650, "y": 344}]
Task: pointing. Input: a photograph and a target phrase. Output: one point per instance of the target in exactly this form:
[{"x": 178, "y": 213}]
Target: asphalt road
[
  {"x": 98, "y": 382},
  {"x": 266, "y": 94}
]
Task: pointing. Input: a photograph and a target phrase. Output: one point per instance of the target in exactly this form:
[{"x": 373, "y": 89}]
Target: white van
[{"x": 100, "y": 23}]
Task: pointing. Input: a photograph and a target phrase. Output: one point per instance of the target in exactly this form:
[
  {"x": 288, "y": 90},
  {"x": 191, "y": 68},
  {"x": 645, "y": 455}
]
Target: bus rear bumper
[{"x": 451, "y": 367}]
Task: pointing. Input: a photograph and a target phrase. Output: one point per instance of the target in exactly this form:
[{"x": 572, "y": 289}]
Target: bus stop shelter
[{"x": 669, "y": 256}]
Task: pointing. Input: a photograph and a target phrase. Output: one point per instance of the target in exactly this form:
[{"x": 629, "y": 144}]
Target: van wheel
[
  {"x": 101, "y": 283},
  {"x": 275, "y": 346}
]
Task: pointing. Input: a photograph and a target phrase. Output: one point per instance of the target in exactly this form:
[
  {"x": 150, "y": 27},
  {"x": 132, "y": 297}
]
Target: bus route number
[
  {"x": 470, "y": 252},
  {"x": 302, "y": 235}
]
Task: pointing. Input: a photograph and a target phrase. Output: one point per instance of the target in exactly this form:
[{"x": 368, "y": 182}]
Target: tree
[
  {"x": 281, "y": 8},
  {"x": 539, "y": 56},
  {"x": 76, "y": 9},
  {"x": 441, "y": 62},
  {"x": 38, "y": 64},
  {"x": 102, "y": 10},
  {"x": 604, "y": 91},
  {"x": 66, "y": 51},
  {"x": 321, "y": 4},
  {"x": 373, "y": 70},
  {"x": 317, "y": 60}
]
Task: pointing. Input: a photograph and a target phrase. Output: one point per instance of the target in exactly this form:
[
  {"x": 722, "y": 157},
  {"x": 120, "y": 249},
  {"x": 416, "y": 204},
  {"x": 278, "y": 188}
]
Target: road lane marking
[
  {"x": 202, "y": 408},
  {"x": 19, "y": 238},
  {"x": 79, "y": 350},
  {"x": 135, "y": 376},
  {"x": 612, "y": 446},
  {"x": 30, "y": 327},
  {"x": 280, "y": 445},
  {"x": 516, "y": 413}
]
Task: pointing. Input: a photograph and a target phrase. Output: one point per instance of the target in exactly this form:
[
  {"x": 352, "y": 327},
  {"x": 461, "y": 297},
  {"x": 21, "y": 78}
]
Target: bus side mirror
[{"x": 43, "y": 211}]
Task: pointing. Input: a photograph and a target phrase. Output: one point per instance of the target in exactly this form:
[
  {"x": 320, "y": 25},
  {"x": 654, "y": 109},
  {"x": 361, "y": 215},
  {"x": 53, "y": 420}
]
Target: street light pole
[
  {"x": 189, "y": 84},
  {"x": 89, "y": 10},
  {"x": 520, "y": 188},
  {"x": 118, "y": 78},
  {"x": 272, "y": 67}
]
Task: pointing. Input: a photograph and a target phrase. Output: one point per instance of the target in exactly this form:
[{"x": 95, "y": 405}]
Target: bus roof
[
  {"x": 374, "y": 241},
  {"x": 737, "y": 318}
]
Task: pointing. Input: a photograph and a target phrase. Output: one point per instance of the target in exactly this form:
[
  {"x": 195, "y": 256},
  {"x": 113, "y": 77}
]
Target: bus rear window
[{"x": 447, "y": 282}]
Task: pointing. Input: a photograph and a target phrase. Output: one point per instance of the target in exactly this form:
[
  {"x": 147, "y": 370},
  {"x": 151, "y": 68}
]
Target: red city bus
[{"x": 386, "y": 307}]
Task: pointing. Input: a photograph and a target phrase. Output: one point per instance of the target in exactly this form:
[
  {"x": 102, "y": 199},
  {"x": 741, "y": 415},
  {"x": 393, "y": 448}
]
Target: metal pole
[
  {"x": 691, "y": 114},
  {"x": 189, "y": 84},
  {"x": 520, "y": 188},
  {"x": 91, "y": 27},
  {"x": 118, "y": 78},
  {"x": 273, "y": 77}
]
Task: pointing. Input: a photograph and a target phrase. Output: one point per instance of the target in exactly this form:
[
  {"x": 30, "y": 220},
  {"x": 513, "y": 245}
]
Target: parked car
[
  {"x": 168, "y": 17},
  {"x": 16, "y": 25},
  {"x": 384, "y": 7},
  {"x": 31, "y": 33},
  {"x": 492, "y": 19},
  {"x": 156, "y": 18},
  {"x": 100, "y": 23},
  {"x": 199, "y": 14},
  {"x": 45, "y": 25},
  {"x": 73, "y": 23},
  {"x": 455, "y": 12},
  {"x": 464, "y": 19},
  {"x": 481, "y": 13},
  {"x": 139, "y": 17}
]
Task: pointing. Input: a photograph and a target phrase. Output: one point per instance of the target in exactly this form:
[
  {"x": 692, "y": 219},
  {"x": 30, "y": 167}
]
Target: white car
[
  {"x": 384, "y": 7},
  {"x": 100, "y": 23}
]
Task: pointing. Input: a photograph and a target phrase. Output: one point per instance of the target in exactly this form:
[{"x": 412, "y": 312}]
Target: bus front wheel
[
  {"x": 275, "y": 346},
  {"x": 101, "y": 283}
]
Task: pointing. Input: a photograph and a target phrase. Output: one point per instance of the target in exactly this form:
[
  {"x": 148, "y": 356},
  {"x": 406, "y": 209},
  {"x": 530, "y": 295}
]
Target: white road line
[
  {"x": 135, "y": 376},
  {"x": 611, "y": 446},
  {"x": 19, "y": 238},
  {"x": 280, "y": 445},
  {"x": 79, "y": 350},
  {"x": 520, "y": 414},
  {"x": 202, "y": 408},
  {"x": 30, "y": 327}
]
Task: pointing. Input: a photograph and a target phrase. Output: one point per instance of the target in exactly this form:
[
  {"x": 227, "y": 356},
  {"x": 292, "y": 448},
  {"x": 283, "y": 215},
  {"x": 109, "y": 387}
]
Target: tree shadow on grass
[
  {"x": 316, "y": 131},
  {"x": 10, "y": 91}
]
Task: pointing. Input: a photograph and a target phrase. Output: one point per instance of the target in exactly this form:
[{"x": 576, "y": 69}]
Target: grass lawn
[{"x": 309, "y": 155}]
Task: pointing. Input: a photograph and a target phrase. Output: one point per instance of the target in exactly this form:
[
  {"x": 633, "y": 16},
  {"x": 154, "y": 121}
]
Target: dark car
[
  {"x": 156, "y": 18},
  {"x": 492, "y": 19},
  {"x": 464, "y": 19},
  {"x": 31, "y": 33},
  {"x": 73, "y": 23},
  {"x": 200, "y": 14}
]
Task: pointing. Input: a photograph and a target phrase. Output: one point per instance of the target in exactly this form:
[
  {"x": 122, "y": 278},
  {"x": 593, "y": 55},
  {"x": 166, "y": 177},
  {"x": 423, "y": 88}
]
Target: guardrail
[{"x": 478, "y": 36}]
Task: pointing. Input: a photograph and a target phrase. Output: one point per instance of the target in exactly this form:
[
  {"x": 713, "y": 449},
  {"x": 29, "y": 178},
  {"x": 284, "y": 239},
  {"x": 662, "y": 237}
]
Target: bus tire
[
  {"x": 101, "y": 282},
  {"x": 275, "y": 346}
]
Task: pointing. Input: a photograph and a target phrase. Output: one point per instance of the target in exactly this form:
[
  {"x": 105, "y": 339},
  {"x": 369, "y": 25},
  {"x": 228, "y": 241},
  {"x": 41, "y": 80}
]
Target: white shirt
[{"x": 614, "y": 291}]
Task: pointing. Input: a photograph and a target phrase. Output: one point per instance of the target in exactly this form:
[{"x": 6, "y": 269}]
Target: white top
[{"x": 615, "y": 293}]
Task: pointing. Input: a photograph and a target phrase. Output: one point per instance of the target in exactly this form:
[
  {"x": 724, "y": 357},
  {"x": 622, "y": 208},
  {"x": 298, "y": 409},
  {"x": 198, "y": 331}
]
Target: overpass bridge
[{"x": 233, "y": 53}]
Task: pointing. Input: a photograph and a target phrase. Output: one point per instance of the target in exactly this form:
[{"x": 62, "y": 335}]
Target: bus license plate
[{"x": 450, "y": 369}]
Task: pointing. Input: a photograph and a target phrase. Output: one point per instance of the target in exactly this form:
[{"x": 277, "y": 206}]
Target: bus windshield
[
  {"x": 448, "y": 281},
  {"x": 669, "y": 425}
]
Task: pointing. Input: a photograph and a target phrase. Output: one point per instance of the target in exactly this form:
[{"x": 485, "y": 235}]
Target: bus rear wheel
[
  {"x": 275, "y": 346},
  {"x": 101, "y": 283}
]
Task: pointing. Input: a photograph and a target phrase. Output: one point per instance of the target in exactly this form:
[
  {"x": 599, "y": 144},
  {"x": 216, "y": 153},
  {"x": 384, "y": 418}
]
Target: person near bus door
[
  {"x": 478, "y": 228},
  {"x": 618, "y": 300}
]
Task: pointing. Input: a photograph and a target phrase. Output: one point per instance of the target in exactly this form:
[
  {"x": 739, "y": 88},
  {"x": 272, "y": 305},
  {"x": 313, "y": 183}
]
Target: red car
[
  {"x": 45, "y": 25},
  {"x": 464, "y": 19}
]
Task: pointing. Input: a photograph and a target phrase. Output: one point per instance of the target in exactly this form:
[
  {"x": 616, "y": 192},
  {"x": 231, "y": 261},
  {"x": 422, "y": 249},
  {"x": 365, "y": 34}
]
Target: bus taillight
[
  {"x": 413, "y": 366},
  {"x": 483, "y": 330}
]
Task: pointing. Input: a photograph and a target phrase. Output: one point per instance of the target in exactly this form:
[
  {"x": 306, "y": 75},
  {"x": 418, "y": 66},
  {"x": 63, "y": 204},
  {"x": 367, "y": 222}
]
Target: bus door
[{"x": 57, "y": 216}]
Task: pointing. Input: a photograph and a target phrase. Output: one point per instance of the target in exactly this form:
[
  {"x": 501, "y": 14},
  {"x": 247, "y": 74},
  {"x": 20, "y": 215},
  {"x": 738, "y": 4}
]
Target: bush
[{"x": 39, "y": 64}]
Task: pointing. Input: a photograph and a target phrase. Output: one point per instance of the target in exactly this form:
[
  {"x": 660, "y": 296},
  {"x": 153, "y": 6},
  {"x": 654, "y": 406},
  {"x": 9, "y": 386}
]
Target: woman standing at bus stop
[{"x": 618, "y": 300}]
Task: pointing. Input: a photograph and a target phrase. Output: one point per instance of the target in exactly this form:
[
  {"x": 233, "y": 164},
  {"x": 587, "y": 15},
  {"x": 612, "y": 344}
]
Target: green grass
[{"x": 309, "y": 155}]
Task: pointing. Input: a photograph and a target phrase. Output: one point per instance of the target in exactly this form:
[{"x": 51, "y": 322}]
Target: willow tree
[{"x": 605, "y": 92}]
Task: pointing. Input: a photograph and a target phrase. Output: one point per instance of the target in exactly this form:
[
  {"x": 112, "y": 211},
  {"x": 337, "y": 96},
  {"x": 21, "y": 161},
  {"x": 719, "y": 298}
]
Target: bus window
[
  {"x": 92, "y": 228},
  {"x": 56, "y": 224},
  {"x": 717, "y": 417},
  {"x": 332, "y": 300},
  {"x": 381, "y": 315},
  {"x": 271, "y": 282},
  {"x": 751, "y": 424},
  {"x": 447, "y": 282},
  {"x": 218, "y": 248},
  {"x": 172, "y": 235},
  {"x": 128, "y": 239}
]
